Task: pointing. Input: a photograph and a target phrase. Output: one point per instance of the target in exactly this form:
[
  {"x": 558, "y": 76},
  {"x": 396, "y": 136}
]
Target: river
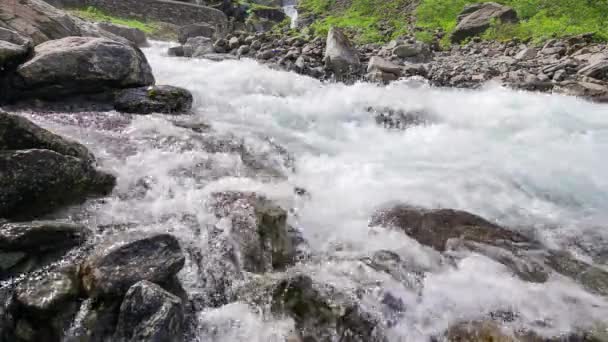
[{"x": 528, "y": 161}]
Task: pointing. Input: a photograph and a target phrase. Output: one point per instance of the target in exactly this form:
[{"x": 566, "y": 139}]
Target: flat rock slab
[
  {"x": 155, "y": 99},
  {"x": 41, "y": 236}
]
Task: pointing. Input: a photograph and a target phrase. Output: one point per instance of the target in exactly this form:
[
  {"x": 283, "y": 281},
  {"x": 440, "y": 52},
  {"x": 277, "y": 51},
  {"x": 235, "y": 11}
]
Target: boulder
[
  {"x": 340, "y": 56},
  {"x": 11, "y": 55},
  {"x": 19, "y": 133},
  {"x": 176, "y": 51},
  {"x": 37, "y": 20},
  {"x": 476, "y": 18},
  {"x": 149, "y": 314},
  {"x": 15, "y": 37},
  {"x": 383, "y": 71},
  {"x": 526, "y": 53},
  {"x": 154, "y": 99},
  {"x": 234, "y": 43},
  {"x": 118, "y": 264},
  {"x": 416, "y": 49},
  {"x": 39, "y": 181},
  {"x": 198, "y": 46},
  {"x": 76, "y": 65},
  {"x": 586, "y": 88},
  {"x": 133, "y": 35},
  {"x": 41, "y": 236},
  {"x": 259, "y": 236},
  {"x": 195, "y": 30},
  {"x": 323, "y": 313},
  {"x": 45, "y": 305},
  {"x": 598, "y": 70},
  {"x": 434, "y": 228}
]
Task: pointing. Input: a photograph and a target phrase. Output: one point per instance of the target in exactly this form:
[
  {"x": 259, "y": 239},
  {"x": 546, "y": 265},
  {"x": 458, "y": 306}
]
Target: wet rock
[
  {"x": 195, "y": 30},
  {"x": 321, "y": 314},
  {"x": 48, "y": 293},
  {"x": 176, "y": 51},
  {"x": 117, "y": 265},
  {"x": 378, "y": 76},
  {"x": 148, "y": 313},
  {"x": 97, "y": 323},
  {"x": 39, "y": 181},
  {"x": 133, "y": 35},
  {"x": 476, "y": 18},
  {"x": 399, "y": 119},
  {"x": 44, "y": 305},
  {"x": 584, "y": 88},
  {"x": 340, "y": 56},
  {"x": 593, "y": 278},
  {"x": 76, "y": 65},
  {"x": 155, "y": 99},
  {"x": 41, "y": 236},
  {"x": 258, "y": 232},
  {"x": 19, "y": 133},
  {"x": 218, "y": 57},
  {"x": 378, "y": 63},
  {"x": 436, "y": 227},
  {"x": 198, "y": 46}
]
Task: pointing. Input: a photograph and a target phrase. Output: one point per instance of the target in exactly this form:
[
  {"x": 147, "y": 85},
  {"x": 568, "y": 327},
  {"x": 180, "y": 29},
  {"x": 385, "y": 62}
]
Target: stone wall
[{"x": 174, "y": 12}]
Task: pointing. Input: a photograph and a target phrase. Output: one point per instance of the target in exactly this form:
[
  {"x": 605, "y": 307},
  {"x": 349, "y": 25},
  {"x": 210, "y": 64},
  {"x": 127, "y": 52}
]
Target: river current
[{"x": 531, "y": 162}]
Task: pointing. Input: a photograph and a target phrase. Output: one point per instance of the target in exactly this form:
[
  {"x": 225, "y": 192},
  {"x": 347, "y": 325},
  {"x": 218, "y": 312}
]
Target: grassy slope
[
  {"x": 381, "y": 20},
  {"x": 95, "y": 14}
]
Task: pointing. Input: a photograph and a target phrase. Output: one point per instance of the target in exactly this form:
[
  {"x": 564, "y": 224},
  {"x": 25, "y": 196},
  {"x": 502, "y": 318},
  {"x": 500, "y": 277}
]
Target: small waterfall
[{"x": 290, "y": 8}]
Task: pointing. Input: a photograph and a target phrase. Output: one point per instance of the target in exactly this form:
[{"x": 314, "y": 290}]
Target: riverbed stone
[
  {"x": 148, "y": 313},
  {"x": 118, "y": 264},
  {"x": 76, "y": 65},
  {"x": 38, "y": 181},
  {"x": 19, "y": 133},
  {"x": 198, "y": 46},
  {"x": 154, "y": 99},
  {"x": 11, "y": 55}
]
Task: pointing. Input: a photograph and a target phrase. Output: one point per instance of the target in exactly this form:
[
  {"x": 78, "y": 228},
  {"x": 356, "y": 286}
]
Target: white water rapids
[{"x": 528, "y": 161}]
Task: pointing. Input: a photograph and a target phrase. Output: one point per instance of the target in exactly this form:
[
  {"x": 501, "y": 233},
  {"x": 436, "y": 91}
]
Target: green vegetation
[
  {"x": 381, "y": 20},
  {"x": 367, "y": 20},
  {"x": 94, "y": 14},
  {"x": 540, "y": 19}
]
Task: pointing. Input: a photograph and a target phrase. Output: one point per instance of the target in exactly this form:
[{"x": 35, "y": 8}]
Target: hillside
[{"x": 379, "y": 21}]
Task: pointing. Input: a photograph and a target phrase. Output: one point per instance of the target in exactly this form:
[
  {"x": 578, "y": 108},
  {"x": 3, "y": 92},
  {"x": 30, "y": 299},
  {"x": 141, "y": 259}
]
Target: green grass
[
  {"x": 539, "y": 19},
  {"x": 94, "y": 14},
  {"x": 368, "y": 21}
]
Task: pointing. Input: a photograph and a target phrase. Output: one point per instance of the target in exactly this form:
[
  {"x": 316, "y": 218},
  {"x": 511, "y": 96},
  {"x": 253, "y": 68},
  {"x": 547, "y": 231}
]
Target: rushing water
[
  {"x": 532, "y": 162},
  {"x": 290, "y": 8}
]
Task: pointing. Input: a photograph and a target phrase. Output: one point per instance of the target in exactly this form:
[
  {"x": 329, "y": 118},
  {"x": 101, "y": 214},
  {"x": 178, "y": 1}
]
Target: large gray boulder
[
  {"x": 133, "y": 35},
  {"x": 37, "y": 20},
  {"x": 39, "y": 181},
  {"x": 340, "y": 56},
  {"x": 195, "y": 30},
  {"x": 155, "y": 99},
  {"x": 149, "y": 314},
  {"x": 19, "y": 133},
  {"x": 477, "y": 18},
  {"x": 118, "y": 264},
  {"x": 76, "y": 65}
]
